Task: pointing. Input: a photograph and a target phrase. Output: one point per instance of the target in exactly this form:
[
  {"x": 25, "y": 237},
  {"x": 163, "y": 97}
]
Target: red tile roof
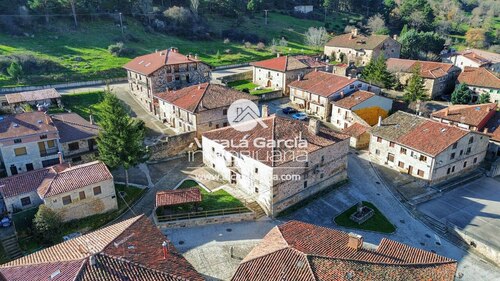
[
  {"x": 493, "y": 127},
  {"x": 302, "y": 251},
  {"x": 62, "y": 271},
  {"x": 322, "y": 83},
  {"x": 131, "y": 250},
  {"x": 481, "y": 57},
  {"x": 474, "y": 115},
  {"x": 288, "y": 63},
  {"x": 23, "y": 124},
  {"x": 203, "y": 97},
  {"x": 356, "y": 130},
  {"x": 351, "y": 100},
  {"x": 72, "y": 127},
  {"x": 278, "y": 129},
  {"x": 150, "y": 63},
  {"x": 428, "y": 69},
  {"x": 479, "y": 77},
  {"x": 37, "y": 95},
  {"x": 177, "y": 196}
]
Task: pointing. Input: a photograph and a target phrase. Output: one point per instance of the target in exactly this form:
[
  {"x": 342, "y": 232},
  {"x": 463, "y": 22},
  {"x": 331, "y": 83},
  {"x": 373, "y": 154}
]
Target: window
[
  {"x": 322, "y": 158},
  {"x": 465, "y": 164},
  {"x": 66, "y": 200},
  {"x": 461, "y": 152},
  {"x": 452, "y": 156},
  {"x": 82, "y": 195},
  {"x": 420, "y": 173},
  {"x": 390, "y": 157},
  {"x": 29, "y": 167},
  {"x": 20, "y": 151},
  {"x": 448, "y": 171},
  {"x": 42, "y": 137},
  {"x": 305, "y": 184},
  {"x": 213, "y": 149},
  {"x": 18, "y": 141},
  {"x": 423, "y": 158},
  {"x": 475, "y": 160},
  {"x": 224, "y": 112},
  {"x": 453, "y": 169},
  {"x": 256, "y": 190},
  {"x": 97, "y": 190},
  {"x": 73, "y": 146},
  {"x": 391, "y": 144},
  {"x": 471, "y": 140},
  {"x": 377, "y": 151},
  {"x": 401, "y": 164},
  {"x": 51, "y": 143},
  {"x": 25, "y": 201},
  {"x": 256, "y": 170},
  {"x": 321, "y": 176},
  {"x": 403, "y": 150},
  {"x": 468, "y": 151},
  {"x": 379, "y": 139},
  {"x": 454, "y": 145}
]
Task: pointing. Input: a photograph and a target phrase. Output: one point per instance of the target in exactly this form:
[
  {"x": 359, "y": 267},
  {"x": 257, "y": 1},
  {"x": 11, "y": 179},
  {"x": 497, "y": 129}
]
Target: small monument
[{"x": 362, "y": 214}]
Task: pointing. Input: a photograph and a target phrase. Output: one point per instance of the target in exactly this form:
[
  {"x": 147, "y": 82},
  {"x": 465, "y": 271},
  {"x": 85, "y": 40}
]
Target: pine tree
[
  {"x": 376, "y": 73},
  {"x": 484, "y": 98},
  {"x": 461, "y": 95},
  {"x": 15, "y": 71},
  {"x": 120, "y": 140},
  {"x": 415, "y": 89}
]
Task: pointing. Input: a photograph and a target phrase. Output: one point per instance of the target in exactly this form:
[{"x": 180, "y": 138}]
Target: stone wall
[
  {"x": 248, "y": 75},
  {"x": 172, "y": 146},
  {"x": 484, "y": 248},
  {"x": 250, "y": 216}
]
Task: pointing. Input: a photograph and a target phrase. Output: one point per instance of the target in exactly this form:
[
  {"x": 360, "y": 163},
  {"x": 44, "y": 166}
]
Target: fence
[
  {"x": 62, "y": 85},
  {"x": 203, "y": 214}
]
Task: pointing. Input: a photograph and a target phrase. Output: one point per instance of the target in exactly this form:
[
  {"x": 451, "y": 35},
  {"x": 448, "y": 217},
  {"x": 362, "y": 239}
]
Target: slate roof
[
  {"x": 148, "y": 64},
  {"x": 428, "y": 69},
  {"x": 72, "y": 127},
  {"x": 322, "y": 83},
  {"x": 178, "y": 196},
  {"x": 473, "y": 115},
  {"x": 301, "y": 251},
  {"x": 357, "y": 42},
  {"x": 278, "y": 129},
  {"x": 205, "y": 96},
  {"x": 353, "y": 99},
  {"x": 128, "y": 250},
  {"x": 23, "y": 124},
  {"x": 421, "y": 134},
  {"x": 289, "y": 63},
  {"x": 479, "y": 77},
  {"x": 33, "y": 96}
]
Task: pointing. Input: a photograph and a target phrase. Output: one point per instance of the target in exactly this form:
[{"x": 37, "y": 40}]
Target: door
[
  {"x": 233, "y": 177},
  {"x": 41, "y": 146},
  {"x": 29, "y": 167},
  {"x": 410, "y": 169},
  {"x": 91, "y": 144},
  {"x": 13, "y": 170}
]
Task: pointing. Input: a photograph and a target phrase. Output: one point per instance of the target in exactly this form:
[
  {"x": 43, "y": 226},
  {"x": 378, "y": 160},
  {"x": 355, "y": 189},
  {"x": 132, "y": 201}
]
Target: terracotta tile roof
[
  {"x": 131, "y": 248},
  {"x": 322, "y": 83},
  {"x": 62, "y": 271},
  {"x": 72, "y": 127},
  {"x": 288, "y": 63},
  {"x": 203, "y": 97},
  {"x": 37, "y": 95},
  {"x": 357, "y": 42},
  {"x": 74, "y": 178},
  {"x": 23, "y": 124},
  {"x": 428, "y": 69},
  {"x": 356, "y": 130},
  {"x": 479, "y": 77},
  {"x": 177, "y": 196},
  {"x": 473, "y": 115},
  {"x": 278, "y": 129},
  {"x": 481, "y": 56},
  {"x": 351, "y": 100},
  {"x": 493, "y": 127},
  {"x": 421, "y": 134},
  {"x": 150, "y": 63},
  {"x": 307, "y": 251}
]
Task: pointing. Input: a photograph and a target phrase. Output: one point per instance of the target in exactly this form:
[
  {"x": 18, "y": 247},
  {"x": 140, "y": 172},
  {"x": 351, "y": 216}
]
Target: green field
[
  {"x": 82, "y": 54},
  {"x": 83, "y": 104},
  {"x": 246, "y": 84},
  {"x": 378, "y": 222}
]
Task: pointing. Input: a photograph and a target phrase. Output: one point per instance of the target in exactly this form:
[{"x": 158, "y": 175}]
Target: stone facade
[
  {"x": 277, "y": 80},
  {"x": 80, "y": 151},
  {"x": 434, "y": 87},
  {"x": 84, "y": 201},
  {"x": 20, "y": 202}
]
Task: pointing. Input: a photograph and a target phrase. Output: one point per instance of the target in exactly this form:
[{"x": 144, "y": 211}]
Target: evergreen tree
[
  {"x": 376, "y": 73},
  {"x": 484, "y": 98},
  {"x": 15, "y": 71},
  {"x": 415, "y": 89},
  {"x": 461, "y": 95},
  {"x": 120, "y": 140}
]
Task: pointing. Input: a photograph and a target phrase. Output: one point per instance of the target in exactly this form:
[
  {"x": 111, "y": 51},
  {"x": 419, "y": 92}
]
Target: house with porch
[
  {"x": 167, "y": 69},
  {"x": 279, "y": 162},
  {"x": 481, "y": 81},
  {"x": 315, "y": 92}
]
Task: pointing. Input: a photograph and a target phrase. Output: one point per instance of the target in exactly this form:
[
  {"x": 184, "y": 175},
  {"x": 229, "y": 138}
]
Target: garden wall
[
  {"x": 62, "y": 86},
  {"x": 271, "y": 95},
  {"x": 237, "y": 76},
  {"x": 486, "y": 249},
  {"x": 250, "y": 216},
  {"x": 172, "y": 146}
]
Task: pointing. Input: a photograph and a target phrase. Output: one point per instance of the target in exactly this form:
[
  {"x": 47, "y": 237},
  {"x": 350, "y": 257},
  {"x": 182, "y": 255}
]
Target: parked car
[
  {"x": 289, "y": 110},
  {"x": 300, "y": 116}
]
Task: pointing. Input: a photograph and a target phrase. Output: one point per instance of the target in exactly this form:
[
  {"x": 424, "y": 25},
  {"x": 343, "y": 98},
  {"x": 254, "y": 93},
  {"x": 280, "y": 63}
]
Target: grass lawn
[
  {"x": 82, "y": 54},
  {"x": 378, "y": 222},
  {"x": 83, "y": 104},
  {"x": 217, "y": 200},
  {"x": 247, "y": 84}
]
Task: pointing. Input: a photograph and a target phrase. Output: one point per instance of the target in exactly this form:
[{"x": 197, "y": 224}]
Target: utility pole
[
  {"x": 121, "y": 22},
  {"x": 266, "y": 15}
]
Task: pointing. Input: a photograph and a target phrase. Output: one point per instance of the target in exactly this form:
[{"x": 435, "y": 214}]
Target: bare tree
[
  {"x": 195, "y": 4},
  {"x": 316, "y": 37},
  {"x": 376, "y": 24}
]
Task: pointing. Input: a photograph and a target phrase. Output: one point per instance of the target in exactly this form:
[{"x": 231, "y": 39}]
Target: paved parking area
[{"x": 474, "y": 207}]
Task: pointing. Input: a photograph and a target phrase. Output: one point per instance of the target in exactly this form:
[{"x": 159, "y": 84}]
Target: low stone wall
[
  {"x": 248, "y": 75},
  {"x": 271, "y": 95},
  {"x": 489, "y": 251},
  {"x": 61, "y": 86},
  {"x": 172, "y": 146},
  {"x": 250, "y": 216}
]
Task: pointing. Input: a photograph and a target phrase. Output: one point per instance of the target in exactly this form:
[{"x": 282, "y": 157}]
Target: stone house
[
  {"x": 28, "y": 141},
  {"x": 426, "y": 148},
  {"x": 359, "y": 135},
  {"x": 277, "y": 73},
  {"x": 43, "y": 99},
  {"x": 360, "y": 49},
  {"x": 77, "y": 137},
  {"x": 198, "y": 108},
  {"x": 439, "y": 78},
  {"x": 359, "y": 107},
  {"x": 315, "y": 91},
  {"x": 279, "y": 164},
  {"x": 481, "y": 81},
  {"x": 305, "y": 251},
  {"x": 132, "y": 249},
  {"x": 474, "y": 58},
  {"x": 167, "y": 69}
]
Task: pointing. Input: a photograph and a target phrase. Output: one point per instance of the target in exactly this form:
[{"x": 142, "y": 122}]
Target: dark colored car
[{"x": 289, "y": 110}]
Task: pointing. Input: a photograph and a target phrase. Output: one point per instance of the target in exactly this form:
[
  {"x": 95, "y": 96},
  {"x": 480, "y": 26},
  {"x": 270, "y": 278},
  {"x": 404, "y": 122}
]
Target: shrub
[
  {"x": 119, "y": 50},
  {"x": 227, "y": 41},
  {"x": 15, "y": 71},
  {"x": 261, "y": 46},
  {"x": 30, "y": 64},
  {"x": 47, "y": 224},
  {"x": 248, "y": 45}
]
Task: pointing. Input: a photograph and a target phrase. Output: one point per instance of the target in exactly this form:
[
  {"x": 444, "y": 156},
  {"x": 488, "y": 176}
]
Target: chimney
[
  {"x": 447, "y": 111},
  {"x": 47, "y": 119},
  {"x": 315, "y": 69},
  {"x": 485, "y": 130},
  {"x": 355, "y": 241},
  {"x": 299, "y": 77},
  {"x": 265, "y": 111},
  {"x": 351, "y": 36},
  {"x": 164, "y": 247},
  {"x": 59, "y": 154},
  {"x": 342, "y": 95},
  {"x": 156, "y": 50},
  {"x": 199, "y": 86},
  {"x": 277, "y": 55},
  {"x": 195, "y": 56},
  {"x": 92, "y": 260},
  {"x": 354, "y": 32},
  {"x": 313, "y": 126},
  {"x": 379, "y": 123},
  {"x": 91, "y": 119},
  {"x": 395, "y": 37}
]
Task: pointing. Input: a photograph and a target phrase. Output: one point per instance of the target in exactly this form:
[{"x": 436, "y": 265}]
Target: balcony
[{"x": 49, "y": 152}]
